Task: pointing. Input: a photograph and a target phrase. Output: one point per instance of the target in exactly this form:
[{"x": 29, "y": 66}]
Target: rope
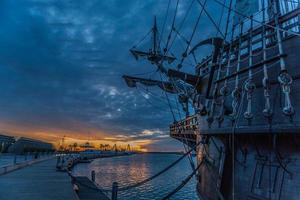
[
  {"x": 257, "y": 21},
  {"x": 221, "y": 17},
  {"x": 161, "y": 172},
  {"x": 183, "y": 183},
  {"x": 149, "y": 102},
  {"x": 165, "y": 20},
  {"x": 182, "y": 22},
  {"x": 173, "y": 23},
  {"x": 141, "y": 182},
  {"x": 211, "y": 19},
  {"x": 138, "y": 43},
  {"x": 168, "y": 100},
  {"x": 191, "y": 38}
]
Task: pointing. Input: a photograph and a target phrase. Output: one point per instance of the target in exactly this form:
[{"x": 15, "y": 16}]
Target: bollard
[
  {"x": 15, "y": 159},
  {"x": 57, "y": 161},
  {"x": 114, "y": 192},
  {"x": 93, "y": 176}
]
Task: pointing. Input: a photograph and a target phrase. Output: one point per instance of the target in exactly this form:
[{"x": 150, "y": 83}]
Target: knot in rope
[
  {"x": 285, "y": 81},
  {"x": 224, "y": 91},
  {"x": 249, "y": 86}
]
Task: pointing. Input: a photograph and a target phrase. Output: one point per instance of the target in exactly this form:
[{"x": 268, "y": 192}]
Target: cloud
[
  {"x": 147, "y": 132},
  {"x": 61, "y": 64}
]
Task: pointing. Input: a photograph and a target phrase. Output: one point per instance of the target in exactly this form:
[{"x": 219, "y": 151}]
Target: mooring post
[
  {"x": 93, "y": 175},
  {"x": 58, "y": 161},
  {"x": 114, "y": 192},
  {"x": 15, "y": 159}
]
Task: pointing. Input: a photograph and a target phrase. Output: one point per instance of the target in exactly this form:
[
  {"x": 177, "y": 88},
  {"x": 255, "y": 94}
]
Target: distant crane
[{"x": 128, "y": 148}]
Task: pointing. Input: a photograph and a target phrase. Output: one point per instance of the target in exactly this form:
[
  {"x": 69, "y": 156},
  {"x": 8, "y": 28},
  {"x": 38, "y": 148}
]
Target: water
[{"x": 127, "y": 170}]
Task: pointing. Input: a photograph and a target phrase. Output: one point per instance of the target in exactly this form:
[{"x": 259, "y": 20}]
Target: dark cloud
[{"x": 61, "y": 64}]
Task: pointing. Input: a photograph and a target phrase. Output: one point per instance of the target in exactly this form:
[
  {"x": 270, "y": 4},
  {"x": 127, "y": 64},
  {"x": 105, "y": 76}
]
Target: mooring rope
[
  {"x": 141, "y": 182},
  {"x": 183, "y": 183}
]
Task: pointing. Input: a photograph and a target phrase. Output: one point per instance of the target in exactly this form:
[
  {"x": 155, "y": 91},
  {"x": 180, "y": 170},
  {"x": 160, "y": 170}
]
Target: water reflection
[{"x": 131, "y": 169}]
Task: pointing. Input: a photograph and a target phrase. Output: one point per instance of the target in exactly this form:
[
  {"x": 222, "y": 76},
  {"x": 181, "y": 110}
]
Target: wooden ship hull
[
  {"x": 246, "y": 97},
  {"x": 256, "y": 158}
]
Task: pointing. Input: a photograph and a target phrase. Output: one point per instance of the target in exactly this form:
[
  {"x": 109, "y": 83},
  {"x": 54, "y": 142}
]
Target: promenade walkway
[{"x": 40, "y": 181}]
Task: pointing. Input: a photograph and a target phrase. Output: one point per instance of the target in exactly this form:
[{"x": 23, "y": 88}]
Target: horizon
[{"x": 62, "y": 65}]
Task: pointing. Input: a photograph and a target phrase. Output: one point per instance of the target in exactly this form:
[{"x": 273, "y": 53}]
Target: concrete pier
[{"x": 36, "y": 182}]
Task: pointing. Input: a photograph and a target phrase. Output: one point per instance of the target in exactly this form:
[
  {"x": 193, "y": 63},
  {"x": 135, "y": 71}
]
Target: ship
[{"x": 242, "y": 102}]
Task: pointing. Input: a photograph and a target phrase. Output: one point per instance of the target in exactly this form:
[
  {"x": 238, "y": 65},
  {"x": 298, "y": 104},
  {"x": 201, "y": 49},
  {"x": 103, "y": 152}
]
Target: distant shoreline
[{"x": 161, "y": 152}]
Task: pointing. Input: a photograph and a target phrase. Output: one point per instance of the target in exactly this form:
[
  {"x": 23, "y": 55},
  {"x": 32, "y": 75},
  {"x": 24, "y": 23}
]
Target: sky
[{"x": 61, "y": 67}]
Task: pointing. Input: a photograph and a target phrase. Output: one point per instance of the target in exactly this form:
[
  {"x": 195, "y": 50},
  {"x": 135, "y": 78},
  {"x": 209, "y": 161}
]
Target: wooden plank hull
[{"x": 253, "y": 168}]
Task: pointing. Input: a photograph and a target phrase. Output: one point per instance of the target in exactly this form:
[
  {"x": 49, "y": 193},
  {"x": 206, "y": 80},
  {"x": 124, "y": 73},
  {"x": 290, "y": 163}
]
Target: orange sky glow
[{"x": 54, "y": 136}]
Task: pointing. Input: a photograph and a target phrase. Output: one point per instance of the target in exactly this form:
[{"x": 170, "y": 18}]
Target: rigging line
[
  {"x": 165, "y": 20},
  {"x": 183, "y": 183},
  {"x": 159, "y": 98},
  {"x": 167, "y": 48},
  {"x": 184, "y": 146},
  {"x": 233, "y": 134},
  {"x": 257, "y": 21},
  {"x": 182, "y": 22},
  {"x": 211, "y": 19},
  {"x": 161, "y": 172},
  {"x": 176, "y": 99},
  {"x": 168, "y": 100},
  {"x": 189, "y": 156},
  {"x": 178, "y": 109},
  {"x": 138, "y": 43},
  {"x": 173, "y": 23},
  {"x": 191, "y": 38},
  {"x": 148, "y": 101},
  {"x": 221, "y": 17},
  {"x": 225, "y": 34},
  {"x": 183, "y": 39},
  {"x": 227, "y": 20}
]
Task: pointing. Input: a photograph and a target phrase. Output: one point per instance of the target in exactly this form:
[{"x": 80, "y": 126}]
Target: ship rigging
[{"x": 241, "y": 104}]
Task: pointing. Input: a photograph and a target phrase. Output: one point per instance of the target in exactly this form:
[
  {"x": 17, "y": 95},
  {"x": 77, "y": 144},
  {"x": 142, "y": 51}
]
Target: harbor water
[{"x": 127, "y": 170}]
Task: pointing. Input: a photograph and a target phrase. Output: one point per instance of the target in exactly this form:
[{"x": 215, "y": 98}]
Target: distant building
[
  {"x": 5, "y": 142},
  {"x": 23, "y": 145}
]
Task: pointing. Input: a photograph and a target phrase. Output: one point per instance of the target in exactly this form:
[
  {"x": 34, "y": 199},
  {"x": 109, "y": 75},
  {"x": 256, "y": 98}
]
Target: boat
[{"x": 241, "y": 104}]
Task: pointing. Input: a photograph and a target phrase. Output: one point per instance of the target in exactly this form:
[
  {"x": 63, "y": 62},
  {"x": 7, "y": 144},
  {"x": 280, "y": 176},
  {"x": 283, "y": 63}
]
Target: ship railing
[
  {"x": 289, "y": 21},
  {"x": 188, "y": 124}
]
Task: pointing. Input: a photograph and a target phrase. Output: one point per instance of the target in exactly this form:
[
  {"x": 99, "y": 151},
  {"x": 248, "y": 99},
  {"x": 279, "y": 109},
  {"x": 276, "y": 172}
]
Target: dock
[
  {"x": 88, "y": 190},
  {"x": 36, "y": 182}
]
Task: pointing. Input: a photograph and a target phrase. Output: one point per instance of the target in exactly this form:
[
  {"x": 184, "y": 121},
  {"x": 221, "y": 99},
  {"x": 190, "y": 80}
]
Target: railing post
[
  {"x": 93, "y": 176},
  {"x": 114, "y": 193}
]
